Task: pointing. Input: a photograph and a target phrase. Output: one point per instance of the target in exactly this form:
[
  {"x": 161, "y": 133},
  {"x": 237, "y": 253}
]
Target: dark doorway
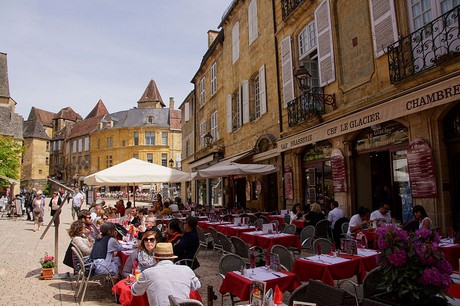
[
  {"x": 455, "y": 172},
  {"x": 271, "y": 199},
  {"x": 240, "y": 192}
]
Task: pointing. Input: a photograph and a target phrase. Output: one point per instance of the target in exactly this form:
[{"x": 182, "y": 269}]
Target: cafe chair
[
  {"x": 370, "y": 286},
  {"x": 252, "y": 219},
  {"x": 204, "y": 239},
  {"x": 191, "y": 262},
  {"x": 216, "y": 245},
  {"x": 317, "y": 292},
  {"x": 264, "y": 219},
  {"x": 286, "y": 258},
  {"x": 326, "y": 245},
  {"x": 287, "y": 219},
  {"x": 323, "y": 229},
  {"x": 227, "y": 218},
  {"x": 229, "y": 263},
  {"x": 306, "y": 238},
  {"x": 227, "y": 246},
  {"x": 345, "y": 228},
  {"x": 183, "y": 302},
  {"x": 276, "y": 223},
  {"x": 290, "y": 229},
  {"x": 337, "y": 231},
  {"x": 242, "y": 249},
  {"x": 258, "y": 223}
]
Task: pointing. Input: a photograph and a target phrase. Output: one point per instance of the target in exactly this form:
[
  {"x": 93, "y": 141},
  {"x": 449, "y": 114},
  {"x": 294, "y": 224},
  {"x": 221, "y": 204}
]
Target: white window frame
[
  {"x": 252, "y": 21},
  {"x": 187, "y": 112},
  {"x": 214, "y": 130},
  {"x": 164, "y": 140},
  {"x": 235, "y": 42},
  {"x": 202, "y": 133},
  {"x": 149, "y": 137},
  {"x": 213, "y": 78},
  {"x": 307, "y": 39},
  {"x": 202, "y": 91}
]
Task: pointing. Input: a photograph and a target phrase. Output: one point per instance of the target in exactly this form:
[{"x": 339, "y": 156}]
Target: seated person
[
  {"x": 79, "y": 237},
  {"x": 382, "y": 215},
  {"x": 359, "y": 221},
  {"x": 105, "y": 250},
  {"x": 173, "y": 231},
  {"x": 422, "y": 217},
  {"x": 139, "y": 218},
  {"x": 150, "y": 225},
  {"x": 314, "y": 215},
  {"x": 174, "y": 206},
  {"x": 186, "y": 246},
  {"x": 165, "y": 278},
  {"x": 143, "y": 256},
  {"x": 296, "y": 213},
  {"x": 166, "y": 211}
]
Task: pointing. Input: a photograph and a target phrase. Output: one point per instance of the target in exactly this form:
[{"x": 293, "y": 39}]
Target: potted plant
[
  {"x": 48, "y": 265},
  {"x": 414, "y": 269}
]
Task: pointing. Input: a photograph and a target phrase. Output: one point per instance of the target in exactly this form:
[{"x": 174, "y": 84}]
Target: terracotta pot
[{"x": 47, "y": 273}]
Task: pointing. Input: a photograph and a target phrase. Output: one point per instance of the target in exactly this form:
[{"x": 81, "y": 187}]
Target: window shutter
[
  {"x": 229, "y": 113},
  {"x": 236, "y": 42},
  {"x": 240, "y": 106},
  {"x": 245, "y": 101},
  {"x": 252, "y": 21},
  {"x": 325, "y": 47},
  {"x": 187, "y": 111},
  {"x": 384, "y": 30},
  {"x": 286, "y": 63},
  {"x": 262, "y": 91}
]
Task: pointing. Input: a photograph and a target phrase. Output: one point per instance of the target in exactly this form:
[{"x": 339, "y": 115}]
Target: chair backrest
[
  {"x": 323, "y": 294},
  {"x": 306, "y": 236},
  {"x": 337, "y": 231},
  {"x": 345, "y": 227},
  {"x": 285, "y": 255},
  {"x": 287, "y": 219},
  {"x": 299, "y": 294},
  {"x": 326, "y": 245},
  {"x": 215, "y": 237},
  {"x": 227, "y": 245},
  {"x": 252, "y": 219},
  {"x": 322, "y": 229},
  {"x": 227, "y": 218},
  {"x": 258, "y": 223},
  {"x": 230, "y": 262},
  {"x": 265, "y": 219},
  {"x": 290, "y": 229},
  {"x": 371, "y": 283},
  {"x": 241, "y": 247},
  {"x": 201, "y": 235},
  {"x": 275, "y": 222}
]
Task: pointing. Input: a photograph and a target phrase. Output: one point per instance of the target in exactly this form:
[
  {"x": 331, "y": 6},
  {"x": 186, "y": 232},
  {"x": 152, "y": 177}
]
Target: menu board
[
  {"x": 288, "y": 190},
  {"x": 339, "y": 177},
  {"x": 421, "y": 170}
]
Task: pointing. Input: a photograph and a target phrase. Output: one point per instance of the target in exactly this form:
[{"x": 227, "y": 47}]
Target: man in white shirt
[
  {"x": 165, "y": 278},
  {"x": 335, "y": 214},
  {"x": 77, "y": 201},
  {"x": 382, "y": 215}
]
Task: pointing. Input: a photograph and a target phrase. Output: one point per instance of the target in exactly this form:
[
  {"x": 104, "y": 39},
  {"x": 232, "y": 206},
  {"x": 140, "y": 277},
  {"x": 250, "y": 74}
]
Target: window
[
  {"x": 307, "y": 39},
  {"x": 252, "y": 21},
  {"x": 202, "y": 92},
  {"x": 87, "y": 143},
  {"x": 150, "y": 157},
  {"x": 236, "y": 108},
  {"x": 79, "y": 161},
  {"x": 178, "y": 160},
  {"x": 136, "y": 138},
  {"x": 74, "y": 161},
  {"x": 164, "y": 138},
  {"x": 108, "y": 161},
  {"x": 214, "y": 133},
  {"x": 150, "y": 120},
  {"x": 149, "y": 138},
  {"x": 67, "y": 147},
  {"x": 202, "y": 133},
  {"x": 80, "y": 145},
  {"x": 56, "y": 160},
  {"x": 123, "y": 143},
  {"x": 74, "y": 146},
  {"x": 135, "y": 155},
  {"x": 98, "y": 163},
  {"x": 164, "y": 159},
  {"x": 256, "y": 97},
  {"x": 47, "y": 162},
  {"x": 186, "y": 112},
  {"x": 213, "y": 78},
  {"x": 109, "y": 142},
  {"x": 236, "y": 42},
  {"x": 86, "y": 161}
]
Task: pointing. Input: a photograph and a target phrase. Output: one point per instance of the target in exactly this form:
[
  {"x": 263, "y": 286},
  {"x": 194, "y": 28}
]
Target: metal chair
[
  {"x": 286, "y": 258},
  {"x": 370, "y": 285},
  {"x": 337, "y": 231},
  {"x": 276, "y": 223},
  {"x": 242, "y": 249},
  {"x": 287, "y": 219},
  {"x": 183, "y": 302},
  {"x": 227, "y": 218},
  {"x": 306, "y": 237},
  {"x": 204, "y": 239},
  {"x": 290, "y": 229},
  {"x": 216, "y": 245},
  {"x": 258, "y": 223},
  {"x": 326, "y": 245},
  {"x": 323, "y": 229},
  {"x": 317, "y": 292},
  {"x": 265, "y": 219},
  {"x": 227, "y": 246},
  {"x": 191, "y": 262},
  {"x": 252, "y": 219},
  {"x": 345, "y": 227},
  {"x": 229, "y": 263}
]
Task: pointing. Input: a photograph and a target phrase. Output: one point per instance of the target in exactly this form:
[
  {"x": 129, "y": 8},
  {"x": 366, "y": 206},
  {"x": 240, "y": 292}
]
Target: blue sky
[{"x": 75, "y": 52}]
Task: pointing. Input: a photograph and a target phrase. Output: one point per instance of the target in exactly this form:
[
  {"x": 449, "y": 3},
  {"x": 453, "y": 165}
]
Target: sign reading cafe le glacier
[{"x": 431, "y": 96}]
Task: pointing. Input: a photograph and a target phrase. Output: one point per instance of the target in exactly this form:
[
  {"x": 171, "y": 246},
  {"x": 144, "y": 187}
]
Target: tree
[{"x": 10, "y": 159}]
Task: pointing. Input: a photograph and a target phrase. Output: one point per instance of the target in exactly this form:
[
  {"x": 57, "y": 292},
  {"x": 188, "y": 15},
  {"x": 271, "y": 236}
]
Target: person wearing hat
[
  {"x": 165, "y": 278},
  {"x": 38, "y": 204}
]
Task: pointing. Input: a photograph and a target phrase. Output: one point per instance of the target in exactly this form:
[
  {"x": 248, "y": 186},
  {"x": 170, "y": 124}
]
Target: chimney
[
  {"x": 211, "y": 36},
  {"x": 171, "y": 103},
  {"x": 4, "y": 85}
]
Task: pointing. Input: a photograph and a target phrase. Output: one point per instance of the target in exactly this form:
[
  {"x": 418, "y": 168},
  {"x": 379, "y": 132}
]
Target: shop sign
[
  {"x": 288, "y": 190},
  {"x": 421, "y": 170},
  {"x": 339, "y": 176}
]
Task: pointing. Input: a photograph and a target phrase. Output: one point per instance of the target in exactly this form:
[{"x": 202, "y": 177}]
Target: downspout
[{"x": 194, "y": 140}]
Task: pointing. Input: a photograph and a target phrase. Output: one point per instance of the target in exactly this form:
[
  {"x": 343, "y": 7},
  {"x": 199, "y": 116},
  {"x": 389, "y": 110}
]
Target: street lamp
[
  {"x": 171, "y": 163},
  {"x": 208, "y": 139},
  {"x": 303, "y": 77}
]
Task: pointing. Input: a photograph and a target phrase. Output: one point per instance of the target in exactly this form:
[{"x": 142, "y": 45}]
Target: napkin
[{"x": 277, "y": 296}]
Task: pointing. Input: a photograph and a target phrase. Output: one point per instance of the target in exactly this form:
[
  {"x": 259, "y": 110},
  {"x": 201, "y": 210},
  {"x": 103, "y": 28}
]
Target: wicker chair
[
  {"x": 276, "y": 224},
  {"x": 323, "y": 229},
  {"x": 290, "y": 229},
  {"x": 286, "y": 258},
  {"x": 217, "y": 246},
  {"x": 265, "y": 219},
  {"x": 337, "y": 231},
  {"x": 204, "y": 239},
  {"x": 258, "y": 223},
  {"x": 183, "y": 302},
  {"x": 369, "y": 302},
  {"x": 306, "y": 237},
  {"x": 252, "y": 219},
  {"x": 243, "y": 250},
  {"x": 287, "y": 219},
  {"x": 229, "y": 263},
  {"x": 326, "y": 245},
  {"x": 227, "y": 246},
  {"x": 227, "y": 218},
  {"x": 317, "y": 292}
]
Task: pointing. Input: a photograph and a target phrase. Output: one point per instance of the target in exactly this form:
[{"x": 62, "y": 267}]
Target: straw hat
[
  {"x": 39, "y": 192},
  {"x": 164, "y": 250}
]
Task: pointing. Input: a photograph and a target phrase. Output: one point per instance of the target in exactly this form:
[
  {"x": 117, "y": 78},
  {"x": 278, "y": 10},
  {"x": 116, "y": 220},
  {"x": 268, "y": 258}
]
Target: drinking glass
[{"x": 318, "y": 251}]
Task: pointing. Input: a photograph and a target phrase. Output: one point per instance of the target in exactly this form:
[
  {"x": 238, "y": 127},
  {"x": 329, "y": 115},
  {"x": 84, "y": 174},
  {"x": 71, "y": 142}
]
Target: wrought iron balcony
[
  {"x": 426, "y": 47},
  {"x": 288, "y": 6},
  {"x": 310, "y": 104}
]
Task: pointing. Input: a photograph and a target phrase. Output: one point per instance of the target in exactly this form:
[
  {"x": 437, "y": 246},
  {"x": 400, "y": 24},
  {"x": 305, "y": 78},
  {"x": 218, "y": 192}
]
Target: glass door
[{"x": 402, "y": 196}]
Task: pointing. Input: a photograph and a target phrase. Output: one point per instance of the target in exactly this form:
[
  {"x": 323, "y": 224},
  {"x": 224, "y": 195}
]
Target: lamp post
[{"x": 208, "y": 139}]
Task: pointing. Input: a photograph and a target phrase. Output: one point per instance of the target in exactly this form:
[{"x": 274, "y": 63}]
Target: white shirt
[
  {"x": 354, "y": 221},
  {"x": 376, "y": 214},
  {"x": 335, "y": 215},
  {"x": 174, "y": 207},
  {"x": 77, "y": 199},
  {"x": 166, "y": 279}
]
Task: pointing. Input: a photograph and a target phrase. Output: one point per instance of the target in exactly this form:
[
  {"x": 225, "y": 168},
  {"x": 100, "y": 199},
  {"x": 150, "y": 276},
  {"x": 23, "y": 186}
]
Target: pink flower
[
  {"x": 51, "y": 258},
  {"x": 398, "y": 258},
  {"x": 432, "y": 276}
]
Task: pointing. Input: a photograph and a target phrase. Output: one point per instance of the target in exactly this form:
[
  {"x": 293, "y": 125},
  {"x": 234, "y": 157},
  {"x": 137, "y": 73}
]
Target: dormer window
[
  {"x": 109, "y": 124},
  {"x": 150, "y": 119}
]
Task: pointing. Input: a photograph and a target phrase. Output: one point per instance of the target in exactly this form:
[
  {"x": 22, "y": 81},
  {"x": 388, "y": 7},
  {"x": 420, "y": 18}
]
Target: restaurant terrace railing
[
  {"x": 311, "y": 104},
  {"x": 426, "y": 47},
  {"x": 288, "y": 6}
]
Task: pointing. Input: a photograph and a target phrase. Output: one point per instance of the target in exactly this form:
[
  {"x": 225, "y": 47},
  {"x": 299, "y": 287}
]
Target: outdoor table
[
  {"x": 278, "y": 218},
  {"x": 126, "y": 298},
  {"x": 328, "y": 268},
  {"x": 367, "y": 256},
  {"x": 181, "y": 219},
  {"x": 452, "y": 253},
  {"x": 234, "y": 230},
  {"x": 371, "y": 237},
  {"x": 204, "y": 225},
  {"x": 241, "y": 286},
  {"x": 266, "y": 241},
  {"x": 298, "y": 223}
]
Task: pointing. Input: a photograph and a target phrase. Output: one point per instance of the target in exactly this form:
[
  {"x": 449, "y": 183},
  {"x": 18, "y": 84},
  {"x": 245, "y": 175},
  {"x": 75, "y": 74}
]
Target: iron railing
[
  {"x": 288, "y": 6},
  {"x": 426, "y": 47},
  {"x": 309, "y": 105}
]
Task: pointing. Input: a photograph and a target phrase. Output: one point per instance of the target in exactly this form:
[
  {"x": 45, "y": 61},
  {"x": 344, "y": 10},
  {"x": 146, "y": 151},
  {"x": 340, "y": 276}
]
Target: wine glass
[
  {"x": 267, "y": 260},
  {"x": 252, "y": 262}
]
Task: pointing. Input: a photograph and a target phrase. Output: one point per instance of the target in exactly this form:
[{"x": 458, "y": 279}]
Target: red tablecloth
[
  {"x": 327, "y": 273},
  {"x": 204, "y": 225},
  {"x": 266, "y": 241},
  {"x": 452, "y": 254},
  {"x": 232, "y": 230},
  {"x": 298, "y": 223},
  {"x": 278, "y": 218},
  {"x": 126, "y": 298},
  {"x": 241, "y": 286}
]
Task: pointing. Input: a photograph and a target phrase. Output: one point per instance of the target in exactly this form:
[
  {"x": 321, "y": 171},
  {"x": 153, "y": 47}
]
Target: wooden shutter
[
  {"x": 229, "y": 113},
  {"x": 252, "y": 21},
  {"x": 245, "y": 101},
  {"x": 262, "y": 91},
  {"x": 236, "y": 42},
  {"x": 287, "y": 75},
  {"x": 325, "y": 46},
  {"x": 384, "y": 29}
]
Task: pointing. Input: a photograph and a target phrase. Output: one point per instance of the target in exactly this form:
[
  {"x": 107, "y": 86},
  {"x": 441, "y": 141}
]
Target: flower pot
[{"x": 47, "y": 273}]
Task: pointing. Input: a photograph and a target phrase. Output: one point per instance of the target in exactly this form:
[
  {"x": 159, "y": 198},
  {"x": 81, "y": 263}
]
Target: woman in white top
[
  {"x": 296, "y": 213},
  {"x": 422, "y": 217}
]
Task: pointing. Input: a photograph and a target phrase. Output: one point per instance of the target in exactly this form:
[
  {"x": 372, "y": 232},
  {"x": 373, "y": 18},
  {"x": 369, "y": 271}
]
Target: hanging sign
[
  {"x": 339, "y": 176},
  {"x": 421, "y": 170},
  {"x": 288, "y": 190}
]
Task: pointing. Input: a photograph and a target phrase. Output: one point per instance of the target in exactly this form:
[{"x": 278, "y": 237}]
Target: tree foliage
[{"x": 10, "y": 158}]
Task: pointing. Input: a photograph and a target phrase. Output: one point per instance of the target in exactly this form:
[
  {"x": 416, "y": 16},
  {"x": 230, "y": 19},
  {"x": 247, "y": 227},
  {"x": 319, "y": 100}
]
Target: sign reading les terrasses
[
  {"x": 339, "y": 177},
  {"x": 421, "y": 170}
]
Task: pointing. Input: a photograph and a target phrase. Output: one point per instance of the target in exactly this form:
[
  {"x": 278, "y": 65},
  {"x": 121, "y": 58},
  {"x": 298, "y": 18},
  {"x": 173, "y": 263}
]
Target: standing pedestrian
[{"x": 78, "y": 200}]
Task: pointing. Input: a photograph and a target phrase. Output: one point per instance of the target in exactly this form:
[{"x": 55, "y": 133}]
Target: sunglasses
[
  {"x": 104, "y": 218},
  {"x": 149, "y": 239}
]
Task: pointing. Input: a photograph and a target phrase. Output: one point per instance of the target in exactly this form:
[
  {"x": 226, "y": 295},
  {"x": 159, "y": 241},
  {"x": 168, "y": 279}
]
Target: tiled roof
[
  {"x": 138, "y": 117},
  {"x": 68, "y": 113},
  {"x": 85, "y": 127},
  {"x": 34, "y": 129},
  {"x": 42, "y": 116},
  {"x": 98, "y": 110},
  {"x": 174, "y": 119},
  {"x": 62, "y": 134},
  {"x": 4, "y": 85},
  {"x": 152, "y": 94}
]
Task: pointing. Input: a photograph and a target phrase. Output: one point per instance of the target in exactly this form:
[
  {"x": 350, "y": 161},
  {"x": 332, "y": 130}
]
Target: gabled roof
[
  {"x": 174, "y": 119},
  {"x": 34, "y": 129},
  {"x": 62, "y": 134},
  {"x": 152, "y": 94},
  {"x": 98, "y": 110},
  {"x": 42, "y": 116},
  {"x": 68, "y": 113},
  {"x": 85, "y": 127},
  {"x": 4, "y": 84}
]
